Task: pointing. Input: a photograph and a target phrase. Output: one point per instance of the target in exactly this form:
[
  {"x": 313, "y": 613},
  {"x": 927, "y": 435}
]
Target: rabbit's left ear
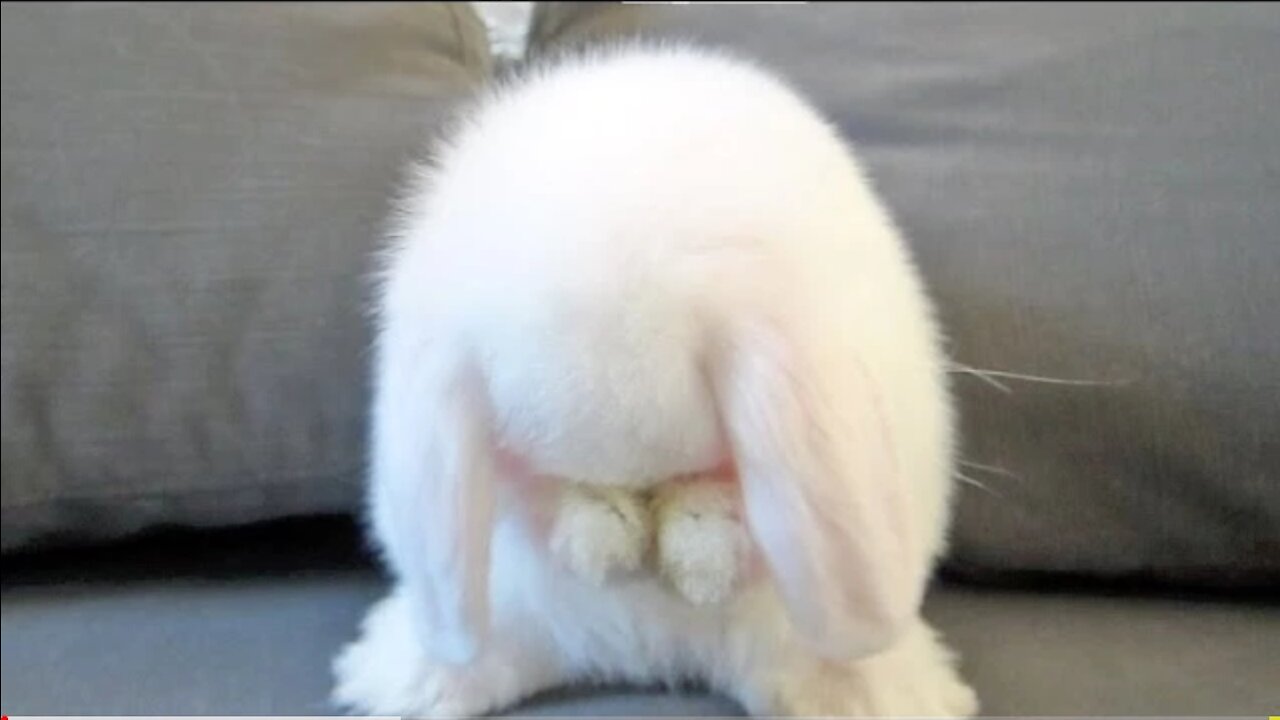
[
  {"x": 433, "y": 473},
  {"x": 823, "y": 494}
]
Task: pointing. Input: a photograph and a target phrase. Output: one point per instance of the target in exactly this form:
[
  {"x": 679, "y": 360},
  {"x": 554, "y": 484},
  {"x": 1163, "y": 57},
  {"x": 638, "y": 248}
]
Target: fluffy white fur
[
  {"x": 625, "y": 268},
  {"x": 507, "y": 24}
]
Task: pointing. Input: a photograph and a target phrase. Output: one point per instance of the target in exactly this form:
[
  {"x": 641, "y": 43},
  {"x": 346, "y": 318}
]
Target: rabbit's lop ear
[
  {"x": 432, "y": 492},
  {"x": 822, "y": 491}
]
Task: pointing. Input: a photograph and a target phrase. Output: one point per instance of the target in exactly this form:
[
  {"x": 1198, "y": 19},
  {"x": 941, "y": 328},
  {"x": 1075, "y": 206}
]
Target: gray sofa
[{"x": 191, "y": 193}]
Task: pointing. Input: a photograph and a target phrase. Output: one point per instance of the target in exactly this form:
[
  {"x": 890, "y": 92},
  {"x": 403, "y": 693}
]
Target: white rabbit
[{"x": 625, "y": 270}]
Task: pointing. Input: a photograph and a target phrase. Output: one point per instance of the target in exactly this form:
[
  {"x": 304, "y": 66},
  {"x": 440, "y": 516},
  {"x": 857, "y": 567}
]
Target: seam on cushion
[
  {"x": 472, "y": 58},
  {"x": 197, "y": 490}
]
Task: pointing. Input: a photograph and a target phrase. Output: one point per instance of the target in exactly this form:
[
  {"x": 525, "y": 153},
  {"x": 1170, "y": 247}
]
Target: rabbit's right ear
[
  {"x": 821, "y": 486},
  {"x": 432, "y": 490}
]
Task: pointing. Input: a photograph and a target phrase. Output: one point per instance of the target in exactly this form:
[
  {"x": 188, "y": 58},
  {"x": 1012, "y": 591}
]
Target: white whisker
[
  {"x": 1039, "y": 378},
  {"x": 996, "y": 470},
  {"x": 981, "y": 375},
  {"x": 981, "y": 486}
]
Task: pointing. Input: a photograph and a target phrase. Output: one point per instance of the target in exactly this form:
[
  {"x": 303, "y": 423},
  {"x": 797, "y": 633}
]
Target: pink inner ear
[
  {"x": 511, "y": 465},
  {"x": 726, "y": 470}
]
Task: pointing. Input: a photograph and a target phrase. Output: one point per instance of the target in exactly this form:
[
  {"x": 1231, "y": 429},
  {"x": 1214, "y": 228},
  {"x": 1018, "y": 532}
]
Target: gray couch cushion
[
  {"x": 189, "y": 198},
  {"x": 249, "y": 627},
  {"x": 190, "y": 195},
  {"x": 1092, "y": 191}
]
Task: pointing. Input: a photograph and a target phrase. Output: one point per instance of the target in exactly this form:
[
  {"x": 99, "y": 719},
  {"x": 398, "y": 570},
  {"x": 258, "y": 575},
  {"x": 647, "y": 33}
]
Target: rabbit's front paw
[
  {"x": 600, "y": 533},
  {"x": 701, "y": 543}
]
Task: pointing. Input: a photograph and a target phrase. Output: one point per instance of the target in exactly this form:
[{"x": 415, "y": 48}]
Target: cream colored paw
[
  {"x": 600, "y": 533},
  {"x": 701, "y": 543}
]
